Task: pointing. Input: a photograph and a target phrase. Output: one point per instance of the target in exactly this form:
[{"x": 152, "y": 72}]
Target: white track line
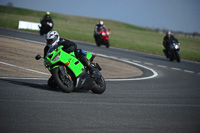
[
  {"x": 175, "y": 68},
  {"x": 24, "y": 68},
  {"x": 136, "y": 61},
  {"x": 188, "y": 71},
  {"x": 146, "y": 63},
  {"x": 162, "y": 66},
  {"x": 22, "y": 39},
  {"x": 155, "y": 74}
]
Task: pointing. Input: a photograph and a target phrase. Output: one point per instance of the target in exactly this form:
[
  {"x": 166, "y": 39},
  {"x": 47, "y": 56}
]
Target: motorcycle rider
[
  {"x": 167, "y": 40},
  {"x": 53, "y": 38},
  {"x": 46, "y": 23},
  {"x": 99, "y": 26}
]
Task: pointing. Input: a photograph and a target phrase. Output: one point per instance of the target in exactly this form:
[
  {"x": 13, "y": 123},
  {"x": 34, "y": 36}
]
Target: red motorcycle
[{"x": 103, "y": 38}]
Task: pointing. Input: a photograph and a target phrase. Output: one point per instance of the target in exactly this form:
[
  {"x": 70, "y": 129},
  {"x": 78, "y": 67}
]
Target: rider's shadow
[
  {"x": 40, "y": 86},
  {"x": 31, "y": 85}
]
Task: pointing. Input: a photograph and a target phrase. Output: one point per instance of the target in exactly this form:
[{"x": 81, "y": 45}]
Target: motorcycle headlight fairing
[
  {"x": 46, "y": 64},
  {"x": 176, "y": 46},
  {"x": 57, "y": 57},
  {"x": 103, "y": 34}
]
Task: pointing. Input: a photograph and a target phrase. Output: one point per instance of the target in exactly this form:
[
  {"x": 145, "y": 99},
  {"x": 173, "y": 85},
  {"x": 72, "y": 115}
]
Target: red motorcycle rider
[{"x": 101, "y": 34}]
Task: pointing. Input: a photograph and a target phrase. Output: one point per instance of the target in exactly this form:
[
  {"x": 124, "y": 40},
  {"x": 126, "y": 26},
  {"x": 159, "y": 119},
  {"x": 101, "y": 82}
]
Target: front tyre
[
  {"x": 107, "y": 44},
  {"x": 65, "y": 83},
  {"x": 178, "y": 59}
]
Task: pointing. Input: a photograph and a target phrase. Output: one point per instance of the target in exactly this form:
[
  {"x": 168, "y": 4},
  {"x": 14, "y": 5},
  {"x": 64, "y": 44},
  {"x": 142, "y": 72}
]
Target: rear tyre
[
  {"x": 99, "y": 85},
  {"x": 98, "y": 44},
  {"x": 65, "y": 83},
  {"x": 171, "y": 56},
  {"x": 166, "y": 54},
  {"x": 41, "y": 33},
  {"x": 171, "y": 59}
]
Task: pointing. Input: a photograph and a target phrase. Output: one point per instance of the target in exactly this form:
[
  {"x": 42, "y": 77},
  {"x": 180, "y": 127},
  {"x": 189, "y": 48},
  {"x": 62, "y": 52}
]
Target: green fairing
[
  {"x": 68, "y": 59},
  {"x": 88, "y": 55}
]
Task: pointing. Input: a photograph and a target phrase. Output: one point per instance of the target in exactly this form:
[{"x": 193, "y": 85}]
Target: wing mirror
[{"x": 37, "y": 57}]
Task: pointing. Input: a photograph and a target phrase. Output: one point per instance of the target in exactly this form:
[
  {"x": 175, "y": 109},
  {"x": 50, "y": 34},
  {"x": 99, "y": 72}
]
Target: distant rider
[
  {"x": 99, "y": 26},
  {"x": 52, "y": 39},
  {"x": 167, "y": 40},
  {"x": 46, "y": 23}
]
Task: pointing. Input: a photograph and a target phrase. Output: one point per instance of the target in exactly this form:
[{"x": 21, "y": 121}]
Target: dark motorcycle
[
  {"x": 173, "y": 52},
  {"x": 45, "y": 27}
]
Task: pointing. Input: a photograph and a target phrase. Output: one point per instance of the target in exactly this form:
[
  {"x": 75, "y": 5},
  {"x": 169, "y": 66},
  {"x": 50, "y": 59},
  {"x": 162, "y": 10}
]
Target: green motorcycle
[{"x": 68, "y": 73}]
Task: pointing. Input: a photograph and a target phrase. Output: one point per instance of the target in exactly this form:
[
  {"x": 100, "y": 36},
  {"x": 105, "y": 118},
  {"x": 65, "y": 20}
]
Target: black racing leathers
[
  {"x": 46, "y": 19},
  {"x": 169, "y": 40},
  {"x": 69, "y": 47},
  {"x": 46, "y": 25}
]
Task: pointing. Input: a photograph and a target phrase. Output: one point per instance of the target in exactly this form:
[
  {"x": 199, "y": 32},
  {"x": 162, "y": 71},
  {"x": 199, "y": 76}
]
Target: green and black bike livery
[{"x": 68, "y": 73}]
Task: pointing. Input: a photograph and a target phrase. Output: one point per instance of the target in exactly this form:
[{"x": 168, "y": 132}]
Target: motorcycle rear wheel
[
  {"x": 99, "y": 85},
  {"x": 64, "y": 83}
]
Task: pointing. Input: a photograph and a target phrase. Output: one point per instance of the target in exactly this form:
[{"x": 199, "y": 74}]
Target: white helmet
[
  {"x": 101, "y": 22},
  {"x": 169, "y": 33},
  {"x": 52, "y": 38}
]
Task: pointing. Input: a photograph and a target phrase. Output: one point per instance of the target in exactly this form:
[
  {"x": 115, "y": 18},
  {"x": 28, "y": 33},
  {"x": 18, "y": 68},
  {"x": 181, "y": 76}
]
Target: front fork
[{"x": 63, "y": 72}]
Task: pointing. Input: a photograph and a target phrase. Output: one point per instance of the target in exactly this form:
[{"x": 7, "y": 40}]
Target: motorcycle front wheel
[
  {"x": 107, "y": 44},
  {"x": 65, "y": 83},
  {"x": 178, "y": 59}
]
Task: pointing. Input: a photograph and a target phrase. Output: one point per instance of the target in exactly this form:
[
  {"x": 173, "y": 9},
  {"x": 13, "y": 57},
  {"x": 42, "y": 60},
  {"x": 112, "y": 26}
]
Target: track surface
[{"x": 169, "y": 102}]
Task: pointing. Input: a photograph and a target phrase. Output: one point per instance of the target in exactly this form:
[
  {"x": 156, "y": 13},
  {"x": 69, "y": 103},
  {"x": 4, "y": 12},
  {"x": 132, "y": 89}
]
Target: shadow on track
[
  {"x": 39, "y": 86},
  {"x": 31, "y": 85}
]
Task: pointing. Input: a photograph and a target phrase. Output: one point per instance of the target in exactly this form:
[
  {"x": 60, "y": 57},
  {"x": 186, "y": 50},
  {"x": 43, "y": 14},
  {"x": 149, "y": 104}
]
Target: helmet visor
[{"x": 49, "y": 41}]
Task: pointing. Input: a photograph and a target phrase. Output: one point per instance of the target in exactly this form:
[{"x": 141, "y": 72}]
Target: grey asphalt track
[{"x": 170, "y": 102}]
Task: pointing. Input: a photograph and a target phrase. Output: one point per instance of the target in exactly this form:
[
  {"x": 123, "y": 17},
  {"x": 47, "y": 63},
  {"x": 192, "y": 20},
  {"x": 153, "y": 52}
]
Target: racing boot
[{"x": 86, "y": 63}]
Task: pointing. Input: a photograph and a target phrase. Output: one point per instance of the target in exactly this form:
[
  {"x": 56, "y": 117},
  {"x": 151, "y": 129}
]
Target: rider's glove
[{"x": 70, "y": 49}]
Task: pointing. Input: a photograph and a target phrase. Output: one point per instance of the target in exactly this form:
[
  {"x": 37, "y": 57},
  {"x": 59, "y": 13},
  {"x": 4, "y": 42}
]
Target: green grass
[{"x": 82, "y": 28}]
